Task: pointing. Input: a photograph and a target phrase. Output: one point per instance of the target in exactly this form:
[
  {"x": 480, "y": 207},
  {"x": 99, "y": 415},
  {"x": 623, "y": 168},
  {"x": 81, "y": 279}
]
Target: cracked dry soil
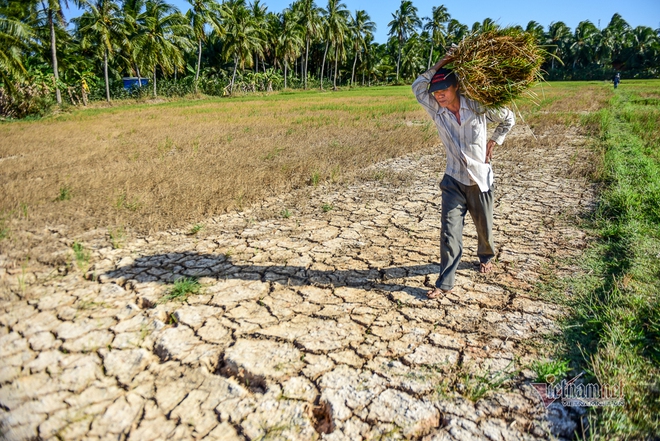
[{"x": 314, "y": 326}]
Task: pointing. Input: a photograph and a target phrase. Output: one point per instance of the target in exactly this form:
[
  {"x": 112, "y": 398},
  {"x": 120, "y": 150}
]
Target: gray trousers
[{"x": 457, "y": 200}]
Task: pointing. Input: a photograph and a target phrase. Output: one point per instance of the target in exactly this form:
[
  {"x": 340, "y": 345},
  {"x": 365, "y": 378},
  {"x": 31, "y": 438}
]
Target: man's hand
[
  {"x": 448, "y": 58},
  {"x": 489, "y": 151}
]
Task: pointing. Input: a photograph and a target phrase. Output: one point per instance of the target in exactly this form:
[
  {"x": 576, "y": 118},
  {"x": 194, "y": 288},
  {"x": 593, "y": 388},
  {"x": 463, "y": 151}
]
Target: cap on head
[{"x": 442, "y": 79}]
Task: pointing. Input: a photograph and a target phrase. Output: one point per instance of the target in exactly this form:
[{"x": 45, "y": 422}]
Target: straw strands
[{"x": 496, "y": 67}]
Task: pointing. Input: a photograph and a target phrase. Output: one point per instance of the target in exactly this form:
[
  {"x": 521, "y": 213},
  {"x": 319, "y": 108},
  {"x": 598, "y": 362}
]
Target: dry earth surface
[{"x": 312, "y": 326}]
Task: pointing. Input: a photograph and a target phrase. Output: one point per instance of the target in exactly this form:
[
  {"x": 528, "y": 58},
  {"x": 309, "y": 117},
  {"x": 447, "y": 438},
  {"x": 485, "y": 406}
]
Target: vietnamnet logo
[{"x": 577, "y": 394}]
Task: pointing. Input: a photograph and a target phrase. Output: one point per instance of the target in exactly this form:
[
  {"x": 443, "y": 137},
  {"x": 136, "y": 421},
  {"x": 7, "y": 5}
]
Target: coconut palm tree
[
  {"x": 324, "y": 36},
  {"x": 559, "y": 37},
  {"x": 617, "y": 38},
  {"x": 242, "y": 39},
  {"x": 161, "y": 38},
  {"x": 259, "y": 14},
  {"x": 456, "y": 31},
  {"x": 338, "y": 27},
  {"x": 14, "y": 41},
  {"x": 270, "y": 36},
  {"x": 537, "y": 31},
  {"x": 130, "y": 10},
  {"x": 404, "y": 22},
  {"x": 53, "y": 11},
  {"x": 412, "y": 59},
  {"x": 487, "y": 25},
  {"x": 586, "y": 40},
  {"x": 361, "y": 27},
  {"x": 436, "y": 26},
  {"x": 309, "y": 16},
  {"x": 290, "y": 40},
  {"x": 335, "y": 22},
  {"x": 100, "y": 28},
  {"x": 380, "y": 63},
  {"x": 645, "y": 45},
  {"x": 368, "y": 59},
  {"x": 202, "y": 13}
]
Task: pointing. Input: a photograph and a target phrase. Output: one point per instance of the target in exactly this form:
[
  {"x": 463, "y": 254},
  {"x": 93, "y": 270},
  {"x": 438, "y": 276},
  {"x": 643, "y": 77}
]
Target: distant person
[
  {"x": 468, "y": 181},
  {"x": 616, "y": 80}
]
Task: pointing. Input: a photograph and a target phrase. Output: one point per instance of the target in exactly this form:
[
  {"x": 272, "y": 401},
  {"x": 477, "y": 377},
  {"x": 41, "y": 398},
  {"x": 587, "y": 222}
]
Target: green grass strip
[{"x": 614, "y": 330}]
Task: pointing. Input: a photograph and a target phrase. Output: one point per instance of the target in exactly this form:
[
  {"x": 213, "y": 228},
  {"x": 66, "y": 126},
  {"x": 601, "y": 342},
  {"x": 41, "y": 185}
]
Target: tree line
[{"x": 219, "y": 48}]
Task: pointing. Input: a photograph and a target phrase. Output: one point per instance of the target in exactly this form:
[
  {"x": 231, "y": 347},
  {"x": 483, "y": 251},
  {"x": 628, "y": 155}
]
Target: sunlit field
[
  {"x": 147, "y": 166},
  {"x": 154, "y": 166}
]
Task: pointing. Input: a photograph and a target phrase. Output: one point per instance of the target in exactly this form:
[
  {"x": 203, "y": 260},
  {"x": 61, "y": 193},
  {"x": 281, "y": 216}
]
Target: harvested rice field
[{"x": 256, "y": 268}]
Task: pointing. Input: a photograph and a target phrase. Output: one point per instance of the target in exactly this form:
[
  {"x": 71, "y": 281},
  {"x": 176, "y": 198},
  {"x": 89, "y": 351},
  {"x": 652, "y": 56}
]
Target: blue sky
[{"x": 512, "y": 12}]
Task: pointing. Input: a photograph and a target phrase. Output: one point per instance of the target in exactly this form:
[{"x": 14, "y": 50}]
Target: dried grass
[
  {"x": 496, "y": 67},
  {"x": 558, "y": 104},
  {"x": 153, "y": 167}
]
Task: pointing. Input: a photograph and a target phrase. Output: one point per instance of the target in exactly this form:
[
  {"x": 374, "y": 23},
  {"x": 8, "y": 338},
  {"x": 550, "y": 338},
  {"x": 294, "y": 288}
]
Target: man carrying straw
[{"x": 468, "y": 181}]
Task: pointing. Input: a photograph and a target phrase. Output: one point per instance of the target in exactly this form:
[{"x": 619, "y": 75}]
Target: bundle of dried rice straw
[{"x": 496, "y": 67}]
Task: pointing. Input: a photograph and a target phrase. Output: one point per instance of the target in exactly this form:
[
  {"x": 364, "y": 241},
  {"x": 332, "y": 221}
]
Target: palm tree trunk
[
  {"x": 306, "y": 60},
  {"x": 105, "y": 74},
  {"x": 323, "y": 64},
  {"x": 430, "y": 55},
  {"x": 353, "y": 72},
  {"x": 286, "y": 65},
  {"x": 137, "y": 69},
  {"x": 233, "y": 77},
  {"x": 199, "y": 62},
  {"x": 552, "y": 64},
  {"x": 155, "y": 93},
  {"x": 334, "y": 84},
  {"x": 53, "y": 51},
  {"x": 398, "y": 61}
]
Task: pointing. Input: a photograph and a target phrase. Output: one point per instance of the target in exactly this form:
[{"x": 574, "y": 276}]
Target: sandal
[
  {"x": 485, "y": 268},
  {"x": 437, "y": 292}
]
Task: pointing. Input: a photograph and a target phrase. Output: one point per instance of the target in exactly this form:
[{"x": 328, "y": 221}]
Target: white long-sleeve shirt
[{"x": 465, "y": 142}]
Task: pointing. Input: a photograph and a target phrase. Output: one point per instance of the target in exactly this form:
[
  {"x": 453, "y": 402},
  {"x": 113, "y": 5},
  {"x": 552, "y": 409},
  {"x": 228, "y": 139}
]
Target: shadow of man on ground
[{"x": 167, "y": 268}]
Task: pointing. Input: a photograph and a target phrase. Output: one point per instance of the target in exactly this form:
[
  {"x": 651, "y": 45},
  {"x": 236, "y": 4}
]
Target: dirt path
[{"x": 309, "y": 326}]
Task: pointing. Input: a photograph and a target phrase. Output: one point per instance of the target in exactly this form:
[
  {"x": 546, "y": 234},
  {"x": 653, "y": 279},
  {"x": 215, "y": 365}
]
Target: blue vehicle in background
[{"x": 131, "y": 82}]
